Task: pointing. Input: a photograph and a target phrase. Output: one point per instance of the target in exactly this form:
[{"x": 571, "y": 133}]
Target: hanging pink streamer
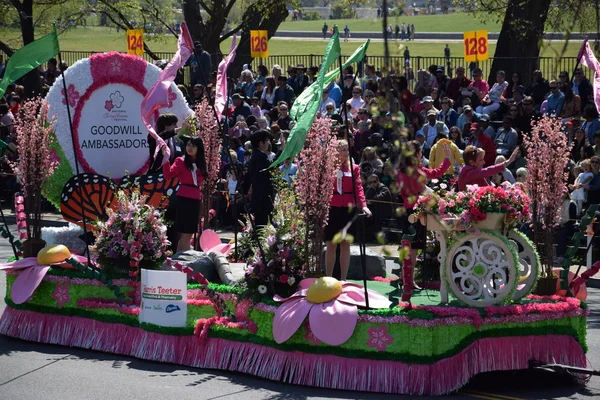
[
  {"x": 221, "y": 86},
  {"x": 158, "y": 96},
  {"x": 586, "y": 57},
  {"x": 407, "y": 275}
]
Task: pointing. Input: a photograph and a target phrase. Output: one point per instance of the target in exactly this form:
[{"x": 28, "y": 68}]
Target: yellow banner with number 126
[
  {"x": 476, "y": 46},
  {"x": 259, "y": 44},
  {"x": 135, "y": 42}
]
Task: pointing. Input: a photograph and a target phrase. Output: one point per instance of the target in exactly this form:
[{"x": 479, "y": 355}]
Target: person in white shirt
[
  {"x": 433, "y": 127},
  {"x": 356, "y": 102},
  {"x": 326, "y": 100}
]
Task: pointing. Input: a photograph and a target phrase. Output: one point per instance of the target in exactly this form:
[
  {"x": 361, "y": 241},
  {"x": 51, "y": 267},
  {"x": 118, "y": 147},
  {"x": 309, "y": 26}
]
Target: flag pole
[
  {"x": 579, "y": 55},
  {"x": 65, "y": 92},
  {"x": 360, "y": 217}
]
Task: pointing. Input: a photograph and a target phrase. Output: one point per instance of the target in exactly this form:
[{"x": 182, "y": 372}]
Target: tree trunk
[
  {"x": 31, "y": 81},
  {"x": 518, "y": 46}
]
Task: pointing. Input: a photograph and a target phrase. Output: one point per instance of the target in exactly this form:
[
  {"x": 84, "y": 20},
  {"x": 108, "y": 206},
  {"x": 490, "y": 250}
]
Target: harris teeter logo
[{"x": 162, "y": 293}]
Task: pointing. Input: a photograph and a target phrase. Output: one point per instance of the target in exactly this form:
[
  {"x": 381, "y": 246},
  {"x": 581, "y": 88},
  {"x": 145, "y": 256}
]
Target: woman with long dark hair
[
  {"x": 268, "y": 95},
  {"x": 191, "y": 170}
]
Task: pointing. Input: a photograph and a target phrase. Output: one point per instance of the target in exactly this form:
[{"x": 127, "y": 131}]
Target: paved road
[{"x": 35, "y": 371}]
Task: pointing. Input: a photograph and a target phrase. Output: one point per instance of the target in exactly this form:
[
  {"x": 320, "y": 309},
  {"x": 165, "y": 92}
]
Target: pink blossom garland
[{"x": 21, "y": 217}]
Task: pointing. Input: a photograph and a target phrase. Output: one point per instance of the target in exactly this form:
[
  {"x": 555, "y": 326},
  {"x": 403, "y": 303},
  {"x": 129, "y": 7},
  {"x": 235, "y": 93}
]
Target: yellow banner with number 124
[
  {"x": 476, "y": 46},
  {"x": 259, "y": 44},
  {"x": 135, "y": 42}
]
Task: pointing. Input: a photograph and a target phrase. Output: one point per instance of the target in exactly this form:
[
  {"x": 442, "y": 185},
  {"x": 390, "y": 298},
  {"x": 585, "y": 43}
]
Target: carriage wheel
[
  {"x": 529, "y": 264},
  {"x": 481, "y": 270}
]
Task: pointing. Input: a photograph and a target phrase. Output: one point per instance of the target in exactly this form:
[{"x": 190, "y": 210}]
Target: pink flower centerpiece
[{"x": 331, "y": 306}]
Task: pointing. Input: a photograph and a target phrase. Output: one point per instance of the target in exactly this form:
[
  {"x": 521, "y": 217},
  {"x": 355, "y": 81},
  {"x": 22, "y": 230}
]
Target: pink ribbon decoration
[
  {"x": 586, "y": 57},
  {"x": 221, "y": 85},
  {"x": 158, "y": 96}
]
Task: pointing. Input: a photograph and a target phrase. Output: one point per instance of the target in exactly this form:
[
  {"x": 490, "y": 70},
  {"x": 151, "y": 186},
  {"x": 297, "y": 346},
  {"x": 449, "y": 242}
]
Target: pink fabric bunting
[
  {"x": 586, "y": 57},
  {"x": 158, "y": 96},
  {"x": 221, "y": 86}
]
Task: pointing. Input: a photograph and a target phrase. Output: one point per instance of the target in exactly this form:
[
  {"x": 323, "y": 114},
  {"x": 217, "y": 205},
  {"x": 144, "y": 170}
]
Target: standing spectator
[
  {"x": 52, "y": 72},
  {"x": 457, "y": 86},
  {"x": 335, "y": 93},
  {"x": 241, "y": 108},
  {"x": 555, "y": 100},
  {"x": 312, "y": 73},
  {"x": 346, "y": 33},
  {"x": 442, "y": 80},
  {"x": 491, "y": 101},
  {"x": 482, "y": 141},
  {"x": 397, "y": 32},
  {"x": 263, "y": 193},
  {"x": 356, "y": 102},
  {"x": 198, "y": 94},
  {"x": 578, "y": 193},
  {"x": 538, "y": 89},
  {"x": 406, "y": 56},
  {"x": 412, "y": 32},
  {"x": 284, "y": 117},
  {"x": 447, "y": 54},
  {"x": 200, "y": 72},
  {"x": 324, "y": 30},
  {"x": 591, "y": 124},
  {"x": 283, "y": 92},
  {"x": 370, "y": 77},
  {"x": 582, "y": 87},
  {"x": 300, "y": 80}
]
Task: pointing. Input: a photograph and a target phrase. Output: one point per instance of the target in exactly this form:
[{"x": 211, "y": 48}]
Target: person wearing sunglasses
[
  {"x": 582, "y": 87},
  {"x": 555, "y": 101},
  {"x": 356, "y": 102}
]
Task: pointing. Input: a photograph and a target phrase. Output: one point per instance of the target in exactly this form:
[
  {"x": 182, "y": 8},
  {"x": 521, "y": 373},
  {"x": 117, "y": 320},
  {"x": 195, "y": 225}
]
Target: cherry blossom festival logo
[{"x": 115, "y": 101}]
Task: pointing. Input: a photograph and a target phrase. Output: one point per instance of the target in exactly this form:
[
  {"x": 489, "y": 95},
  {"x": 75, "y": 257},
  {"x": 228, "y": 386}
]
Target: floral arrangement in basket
[
  {"x": 280, "y": 267},
  {"x": 131, "y": 222},
  {"x": 461, "y": 209}
]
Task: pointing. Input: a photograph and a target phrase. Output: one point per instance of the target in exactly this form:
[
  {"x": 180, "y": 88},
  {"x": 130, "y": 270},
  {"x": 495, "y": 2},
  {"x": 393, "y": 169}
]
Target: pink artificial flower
[
  {"x": 170, "y": 98},
  {"x": 332, "y": 322},
  {"x": 108, "y": 104},
  {"x": 72, "y": 94},
  {"x": 379, "y": 338},
  {"x": 283, "y": 278},
  {"x": 61, "y": 295}
]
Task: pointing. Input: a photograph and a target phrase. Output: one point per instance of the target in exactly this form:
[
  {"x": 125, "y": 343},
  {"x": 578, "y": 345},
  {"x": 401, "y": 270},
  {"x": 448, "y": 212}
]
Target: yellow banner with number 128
[
  {"x": 135, "y": 42},
  {"x": 259, "y": 44},
  {"x": 476, "y": 46}
]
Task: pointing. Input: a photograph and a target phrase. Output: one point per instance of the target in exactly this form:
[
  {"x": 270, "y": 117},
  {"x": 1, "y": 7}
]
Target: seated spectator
[
  {"x": 457, "y": 87},
  {"x": 572, "y": 104},
  {"x": 478, "y": 88},
  {"x": 284, "y": 120},
  {"x": 519, "y": 163},
  {"x": 379, "y": 201},
  {"x": 556, "y": 100},
  {"x": 427, "y": 103},
  {"x": 241, "y": 108},
  {"x": 198, "y": 94},
  {"x": 433, "y": 127},
  {"x": 438, "y": 154},
  {"x": 521, "y": 175},
  {"x": 240, "y": 129},
  {"x": 448, "y": 115},
  {"x": 283, "y": 92},
  {"x": 255, "y": 107},
  {"x": 506, "y": 175},
  {"x": 482, "y": 141},
  {"x": 538, "y": 89},
  {"x": 473, "y": 173},
  {"x": 466, "y": 118},
  {"x": 506, "y": 138},
  {"x": 491, "y": 101},
  {"x": 486, "y": 127},
  {"x": 455, "y": 136},
  {"x": 325, "y": 101},
  {"x": 288, "y": 171}
]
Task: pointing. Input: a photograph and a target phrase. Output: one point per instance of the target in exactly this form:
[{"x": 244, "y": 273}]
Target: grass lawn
[
  {"x": 457, "y": 22},
  {"x": 107, "y": 39}
]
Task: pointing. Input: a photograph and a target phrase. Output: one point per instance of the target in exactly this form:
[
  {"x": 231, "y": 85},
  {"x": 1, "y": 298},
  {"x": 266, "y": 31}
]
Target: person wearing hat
[
  {"x": 299, "y": 81},
  {"x": 433, "y": 127},
  {"x": 240, "y": 108},
  {"x": 474, "y": 173},
  {"x": 427, "y": 103},
  {"x": 467, "y": 117},
  {"x": 482, "y": 141},
  {"x": 200, "y": 65},
  {"x": 484, "y": 124}
]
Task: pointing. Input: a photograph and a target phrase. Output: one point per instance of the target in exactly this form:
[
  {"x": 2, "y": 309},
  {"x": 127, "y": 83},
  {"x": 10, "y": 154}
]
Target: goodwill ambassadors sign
[{"x": 105, "y": 92}]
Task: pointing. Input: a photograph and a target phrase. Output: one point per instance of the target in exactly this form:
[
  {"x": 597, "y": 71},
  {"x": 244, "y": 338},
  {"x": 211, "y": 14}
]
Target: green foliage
[
  {"x": 311, "y": 16},
  {"x": 342, "y": 9}
]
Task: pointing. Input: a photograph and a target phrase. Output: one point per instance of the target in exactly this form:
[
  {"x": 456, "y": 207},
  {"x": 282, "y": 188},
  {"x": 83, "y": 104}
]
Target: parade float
[{"x": 284, "y": 321}]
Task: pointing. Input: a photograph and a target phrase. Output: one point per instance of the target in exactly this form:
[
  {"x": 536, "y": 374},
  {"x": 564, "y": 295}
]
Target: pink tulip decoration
[
  {"x": 331, "y": 306},
  {"x": 32, "y": 274}
]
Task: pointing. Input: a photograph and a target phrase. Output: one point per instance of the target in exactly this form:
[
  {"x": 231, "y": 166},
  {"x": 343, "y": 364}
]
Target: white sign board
[{"x": 164, "y": 298}]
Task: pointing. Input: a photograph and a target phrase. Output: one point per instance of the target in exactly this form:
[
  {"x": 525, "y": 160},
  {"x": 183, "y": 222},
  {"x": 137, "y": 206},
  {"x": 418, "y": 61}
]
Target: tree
[
  {"x": 207, "y": 22},
  {"x": 523, "y": 25}
]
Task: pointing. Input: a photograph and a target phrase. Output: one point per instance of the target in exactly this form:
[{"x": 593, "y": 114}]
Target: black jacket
[
  {"x": 263, "y": 192},
  {"x": 179, "y": 146}
]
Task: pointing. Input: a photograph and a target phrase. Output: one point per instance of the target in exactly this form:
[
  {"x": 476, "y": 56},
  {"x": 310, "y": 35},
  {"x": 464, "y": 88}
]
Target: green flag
[
  {"x": 28, "y": 58},
  {"x": 298, "y": 133},
  {"x": 302, "y": 100}
]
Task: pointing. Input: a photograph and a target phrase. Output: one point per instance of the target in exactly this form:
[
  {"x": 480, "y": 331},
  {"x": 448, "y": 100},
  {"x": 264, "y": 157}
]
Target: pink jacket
[
  {"x": 342, "y": 200},
  {"x": 186, "y": 180},
  {"x": 470, "y": 175}
]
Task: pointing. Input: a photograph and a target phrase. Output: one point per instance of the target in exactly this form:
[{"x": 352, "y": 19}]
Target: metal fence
[{"x": 548, "y": 65}]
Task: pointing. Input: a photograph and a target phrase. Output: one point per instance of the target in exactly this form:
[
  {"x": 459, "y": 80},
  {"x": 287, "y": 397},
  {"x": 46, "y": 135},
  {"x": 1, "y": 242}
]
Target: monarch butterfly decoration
[{"x": 87, "y": 196}]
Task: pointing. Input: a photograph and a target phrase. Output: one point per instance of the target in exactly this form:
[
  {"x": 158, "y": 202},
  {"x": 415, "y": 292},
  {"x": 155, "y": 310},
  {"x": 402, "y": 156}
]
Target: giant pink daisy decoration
[{"x": 331, "y": 306}]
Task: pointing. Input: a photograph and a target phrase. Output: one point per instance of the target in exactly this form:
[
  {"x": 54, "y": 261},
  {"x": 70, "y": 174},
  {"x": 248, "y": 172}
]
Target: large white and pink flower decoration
[{"x": 331, "y": 306}]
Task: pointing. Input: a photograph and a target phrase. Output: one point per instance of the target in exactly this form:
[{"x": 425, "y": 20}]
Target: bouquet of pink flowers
[
  {"x": 475, "y": 203},
  {"x": 131, "y": 224}
]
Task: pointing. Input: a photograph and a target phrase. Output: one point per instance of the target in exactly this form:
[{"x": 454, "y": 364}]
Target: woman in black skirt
[
  {"x": 340, "y": 214},
  {"x": 191, "y": 170}
]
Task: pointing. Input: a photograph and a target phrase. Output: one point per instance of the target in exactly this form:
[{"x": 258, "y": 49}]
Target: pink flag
[
  {"x": 221, "y": 86},
  {"x": 589, "y": 60},
  {"x": 158, "y": 96}
]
